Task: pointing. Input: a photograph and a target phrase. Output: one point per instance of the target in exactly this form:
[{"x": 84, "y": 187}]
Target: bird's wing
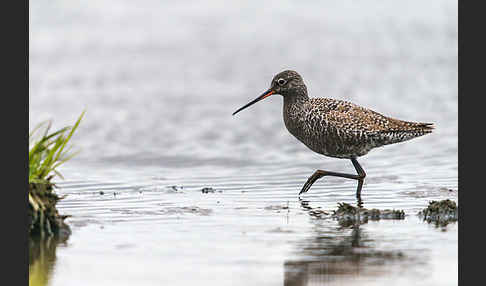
[{"x": 351, "y": 118}]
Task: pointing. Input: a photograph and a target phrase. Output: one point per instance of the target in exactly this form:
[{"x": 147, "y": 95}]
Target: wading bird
[{"x": 336, "y": 128}]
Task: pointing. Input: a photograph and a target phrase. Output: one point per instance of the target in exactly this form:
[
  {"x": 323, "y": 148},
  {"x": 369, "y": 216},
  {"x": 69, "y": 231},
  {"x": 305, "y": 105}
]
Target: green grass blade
[{"x": 50, "y": 151}]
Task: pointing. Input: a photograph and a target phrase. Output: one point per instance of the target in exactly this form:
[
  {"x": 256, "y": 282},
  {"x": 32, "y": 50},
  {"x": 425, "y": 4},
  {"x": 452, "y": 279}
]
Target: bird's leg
[
  {"x": 321, "y": 173},
  {"x": 361, "y": 176}
]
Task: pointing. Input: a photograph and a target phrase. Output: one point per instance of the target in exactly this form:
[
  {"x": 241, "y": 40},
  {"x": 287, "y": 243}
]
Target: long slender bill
[{"x": 264, "y": 95}]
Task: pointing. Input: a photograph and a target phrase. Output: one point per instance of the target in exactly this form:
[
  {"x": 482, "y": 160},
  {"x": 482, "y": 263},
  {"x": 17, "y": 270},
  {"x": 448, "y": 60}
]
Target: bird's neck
[
  {"x": 294, "y": 110},
  {"x": 298, "y": 96}
]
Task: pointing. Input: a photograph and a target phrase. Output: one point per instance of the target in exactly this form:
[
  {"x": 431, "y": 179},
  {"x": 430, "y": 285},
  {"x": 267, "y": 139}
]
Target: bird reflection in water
[{"x": 337, "y": 251}]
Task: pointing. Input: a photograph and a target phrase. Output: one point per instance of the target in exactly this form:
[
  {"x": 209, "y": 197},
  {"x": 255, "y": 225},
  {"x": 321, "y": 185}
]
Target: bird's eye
[{"x": 281, "y": 81}]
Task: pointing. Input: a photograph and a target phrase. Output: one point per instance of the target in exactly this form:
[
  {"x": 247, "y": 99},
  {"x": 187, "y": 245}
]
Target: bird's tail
[
  {"x": 404, "y": 131},
  {"x": 420, "y": 128}
]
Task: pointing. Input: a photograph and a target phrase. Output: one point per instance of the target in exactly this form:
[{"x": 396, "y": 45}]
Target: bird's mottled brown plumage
[{"x": 338, "y": 128}]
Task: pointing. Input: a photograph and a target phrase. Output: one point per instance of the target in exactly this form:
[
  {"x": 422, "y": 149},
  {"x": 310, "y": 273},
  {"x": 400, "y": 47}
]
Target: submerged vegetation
[
  {"x": 347, "y": 214},
  {"x": 47, "y": 151},
  {"x": 440, "y": 212}
]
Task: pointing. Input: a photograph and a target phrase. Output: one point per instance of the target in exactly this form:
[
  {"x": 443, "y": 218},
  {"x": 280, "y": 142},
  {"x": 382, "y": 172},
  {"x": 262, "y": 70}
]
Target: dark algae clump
[
  {"x": 346, "y": 214},
  {"x": 440, "y": 212}
]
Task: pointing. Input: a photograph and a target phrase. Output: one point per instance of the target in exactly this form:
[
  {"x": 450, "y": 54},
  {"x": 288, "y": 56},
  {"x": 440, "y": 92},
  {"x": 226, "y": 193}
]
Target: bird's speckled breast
[{"x": 311, "y": 128}]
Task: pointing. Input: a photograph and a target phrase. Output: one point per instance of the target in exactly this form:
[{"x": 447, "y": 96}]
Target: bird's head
[{"x": 286, "y": 83}]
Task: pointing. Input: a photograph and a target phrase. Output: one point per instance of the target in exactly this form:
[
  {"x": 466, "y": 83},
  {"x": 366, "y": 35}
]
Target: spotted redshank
[{"x": 336, "y": 128}]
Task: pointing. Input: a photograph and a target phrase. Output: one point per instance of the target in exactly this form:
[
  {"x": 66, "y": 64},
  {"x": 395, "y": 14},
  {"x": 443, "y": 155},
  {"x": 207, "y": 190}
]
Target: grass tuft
[{"x": 49, "y": 150}]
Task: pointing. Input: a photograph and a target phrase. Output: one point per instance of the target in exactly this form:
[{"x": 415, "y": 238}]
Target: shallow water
[{"x": 160, "y": 81}]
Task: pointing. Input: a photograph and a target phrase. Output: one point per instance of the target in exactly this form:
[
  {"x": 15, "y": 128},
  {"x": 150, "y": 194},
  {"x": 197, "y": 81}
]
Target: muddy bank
[{"x": 43, "y": 216}]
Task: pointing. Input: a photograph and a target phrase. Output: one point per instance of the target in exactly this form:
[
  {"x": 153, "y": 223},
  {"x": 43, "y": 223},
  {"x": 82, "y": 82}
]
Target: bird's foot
[{"x": 317, "y": 174}]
